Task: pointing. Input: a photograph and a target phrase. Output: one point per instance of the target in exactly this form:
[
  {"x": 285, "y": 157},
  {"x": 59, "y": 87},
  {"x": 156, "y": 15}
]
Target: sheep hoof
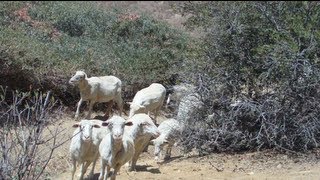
[
  {"x": 131, "y": 169},
  {"x": 91, "y": 176},
  {"x": 157, "y": 159},
  {"x": 127, "y": 165},
  {"x": 167, "y": 157},
  {"x": 100, "y": 177},
  {"x": 76, "y": 117}
]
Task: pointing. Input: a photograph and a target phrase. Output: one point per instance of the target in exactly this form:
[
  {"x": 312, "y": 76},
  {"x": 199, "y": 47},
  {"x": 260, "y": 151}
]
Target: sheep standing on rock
[
  {"x": 142, "y": 130},
  {"x": 116, "y": 148},
  {"x": 170, "y": 131},
  {"x": 97, "y": 89},
  {"x": 148, "y": 99},
  {"x": 84, "y": 145}
]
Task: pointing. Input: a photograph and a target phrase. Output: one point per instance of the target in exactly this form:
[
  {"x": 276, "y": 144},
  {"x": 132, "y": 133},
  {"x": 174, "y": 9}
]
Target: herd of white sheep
[{"x": 116, "y": 140}]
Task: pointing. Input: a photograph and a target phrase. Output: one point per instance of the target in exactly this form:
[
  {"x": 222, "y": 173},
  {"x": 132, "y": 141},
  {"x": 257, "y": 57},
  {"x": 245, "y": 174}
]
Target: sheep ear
[
  {"x": 165, "y": 141},
  {"x": 96, "y": 126},
  {"x": 105, "y": 124},
  {"x": 151, "y": 142},
  {"x": 129, "y": 123},
  {"x": 129, "y": 103},
  {"x": 144, "y": 123},
  {"x": 75, "y": 125},
  {"x": 141, "y": 106}
]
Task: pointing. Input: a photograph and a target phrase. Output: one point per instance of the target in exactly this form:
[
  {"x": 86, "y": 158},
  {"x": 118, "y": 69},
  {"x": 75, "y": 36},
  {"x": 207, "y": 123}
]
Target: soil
[{"x": 250, "y": 165}]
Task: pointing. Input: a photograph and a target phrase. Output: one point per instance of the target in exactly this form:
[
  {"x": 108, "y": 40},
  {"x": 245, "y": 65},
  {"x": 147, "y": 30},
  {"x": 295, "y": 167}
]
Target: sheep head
[
  {"x": 158, "y": 143},
  {"x": 135, "y": 109},
  {"x": 79, "y": 76},
  {"x": 116, "y": 126},
  {"x": 148, "y": 127},
  {"x": 86, "y": 127}
]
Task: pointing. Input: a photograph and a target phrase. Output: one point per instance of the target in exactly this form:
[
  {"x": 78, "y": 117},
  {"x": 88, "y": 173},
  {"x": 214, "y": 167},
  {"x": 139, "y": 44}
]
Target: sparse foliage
[
  {"x": 265, "y": 54},
  {"x": 27, "y": 141}
]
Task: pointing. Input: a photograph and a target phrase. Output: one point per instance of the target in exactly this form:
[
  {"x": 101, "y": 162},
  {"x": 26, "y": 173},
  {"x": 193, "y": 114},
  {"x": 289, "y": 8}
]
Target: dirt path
[
  {"x": 258, "y": 165},
  {"x": 205, "y": 168}
]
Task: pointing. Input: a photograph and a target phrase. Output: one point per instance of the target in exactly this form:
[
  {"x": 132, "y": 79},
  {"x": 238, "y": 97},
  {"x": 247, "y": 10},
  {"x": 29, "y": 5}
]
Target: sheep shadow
[
  {"x": 166, "y": 161},
  {"x": 95, "y": 177},
  {"x": 140, "y": 168}
]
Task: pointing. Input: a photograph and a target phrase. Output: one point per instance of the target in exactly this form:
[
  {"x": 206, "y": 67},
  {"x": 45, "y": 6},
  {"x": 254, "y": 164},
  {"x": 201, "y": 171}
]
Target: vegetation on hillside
[
  {"x": 262, "y": 55},
  {"x": 265, "y": 54},
  {"x": 44, "y": 43}
]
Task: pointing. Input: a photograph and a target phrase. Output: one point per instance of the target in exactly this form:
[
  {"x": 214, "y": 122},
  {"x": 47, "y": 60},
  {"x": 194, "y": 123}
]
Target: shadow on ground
[{"x": 145, "y": 168}]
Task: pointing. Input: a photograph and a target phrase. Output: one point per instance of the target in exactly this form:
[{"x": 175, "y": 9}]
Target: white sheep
[
  {"x": 142, "y": 130},
  {"x": 170, "y": 131},
  {"x": 188, "y": 107},
  {"x": 190, "y": 104},
  {"x": 149, "y": 99},
  {"x": 180, "y": 91},
  {"x": 116, "y": 148},
  {"x": 84, "y": 145},
  {"x": 97, "y": 89},
  {"x": 187, "y": 101}
]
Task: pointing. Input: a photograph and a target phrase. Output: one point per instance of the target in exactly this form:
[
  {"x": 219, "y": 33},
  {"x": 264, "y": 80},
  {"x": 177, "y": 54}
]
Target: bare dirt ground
[{"x": 254, "y": 165}]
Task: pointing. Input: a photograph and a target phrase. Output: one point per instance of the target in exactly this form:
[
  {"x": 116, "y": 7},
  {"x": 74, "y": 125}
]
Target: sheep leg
[
  {"x": 81, "y": 172},
  {"x": 168, "y": 151},
  {"x": 109, "y": 107},
  {"x": 134, "y": 162},
  {"x": 107, "y": 173},
  {"x": 116, "y": 170},
  {"x": 84, "y": 167},
  {"x": 78, "y": 108},
  {"x": 119, "y": 102},
  {"x": 90, "y": 109},
  {"x": 145, "y": 149},
  {"x": 93, "y": 166},
  {"x": 103, "y": 166},
  {"x": 73, "y": 168},
  {"x": 158, "y": 157},
  {"x": 128, "y": 165},
  {"x": 155, "y": 116}
]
